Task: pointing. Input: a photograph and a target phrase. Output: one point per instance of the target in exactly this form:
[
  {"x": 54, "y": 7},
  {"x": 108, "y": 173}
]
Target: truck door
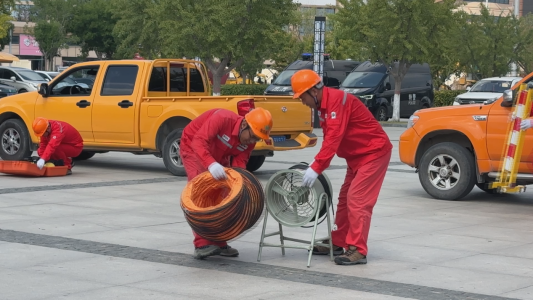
[
  {"x": 116, "y": 104},
  {"x": 70, "y": 102}
]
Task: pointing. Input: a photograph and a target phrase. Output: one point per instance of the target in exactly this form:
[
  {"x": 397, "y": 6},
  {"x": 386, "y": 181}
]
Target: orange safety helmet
[
  {"x": 260, "y": 122},
  {"x": 303, "y": 80},
  {"x": 40, "y": 125}
]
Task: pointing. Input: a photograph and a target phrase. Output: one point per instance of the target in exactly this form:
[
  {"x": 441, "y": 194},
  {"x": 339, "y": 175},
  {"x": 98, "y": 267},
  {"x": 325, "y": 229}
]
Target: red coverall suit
[
  {"x": 63, "y": 143},
  {"x": 351, "y": 132},
  {"x": 213, "y": 137}
]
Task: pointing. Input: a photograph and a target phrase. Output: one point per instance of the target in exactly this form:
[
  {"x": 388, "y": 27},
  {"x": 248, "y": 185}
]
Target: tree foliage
[
  {"x": 524, "y": 44},
  {"x": 485, "y": 43},
  {"x": 51, "y": 18},
  {"x": 396, "y": 33},
  {"x": 6, "y": 7},
  {"x": 93, "y": 24},
  {"x": 221, "y": 33}
]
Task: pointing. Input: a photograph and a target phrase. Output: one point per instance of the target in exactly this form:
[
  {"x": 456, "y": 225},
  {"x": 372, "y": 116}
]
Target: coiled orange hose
[{"x": 222, "y": 210}]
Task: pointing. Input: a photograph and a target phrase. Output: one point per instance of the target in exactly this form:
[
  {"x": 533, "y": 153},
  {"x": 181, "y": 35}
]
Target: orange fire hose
[{"x": 222, "y": 210}]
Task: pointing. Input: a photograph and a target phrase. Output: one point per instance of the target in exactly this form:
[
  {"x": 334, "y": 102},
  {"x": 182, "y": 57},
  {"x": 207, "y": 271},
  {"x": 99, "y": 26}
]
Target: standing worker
[
  {"x": 60, "y": 142},
  {"x": 215, "y": 139},
  {"x": 351, "y": 132}
]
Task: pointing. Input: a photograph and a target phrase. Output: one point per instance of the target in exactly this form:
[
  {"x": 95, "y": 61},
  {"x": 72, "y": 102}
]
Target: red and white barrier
[{"x": 516, "y": 128}]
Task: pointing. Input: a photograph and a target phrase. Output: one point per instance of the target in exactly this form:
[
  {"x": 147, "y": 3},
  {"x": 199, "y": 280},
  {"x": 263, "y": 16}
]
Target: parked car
[
  {"x": 6, "y": 90},
  {"x": 375, "y": 87},
  {"x": 22, "y": 79},
  {"x": 334, "y": 72},
  {"x": 49, "y": 75},
  {"x": 488, "y": 89}
]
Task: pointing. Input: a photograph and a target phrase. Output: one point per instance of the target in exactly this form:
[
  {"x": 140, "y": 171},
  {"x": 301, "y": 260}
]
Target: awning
[{"x": 8, "y": 58}]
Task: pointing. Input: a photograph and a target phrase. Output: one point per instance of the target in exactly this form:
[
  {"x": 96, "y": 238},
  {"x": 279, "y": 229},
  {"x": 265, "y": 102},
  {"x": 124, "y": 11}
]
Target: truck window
[
  {"x": 178, "y": 79},
  {"x": 119, "y": 80},
  {"x": 68, "y": 86},
  {"x": 196, "y": 84}
]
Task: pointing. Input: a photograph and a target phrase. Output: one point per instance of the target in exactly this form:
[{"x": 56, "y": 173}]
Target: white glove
[
  {"x": 309, "y": 177},
  {"x": 526, "y": 124},
  {"x": 217, "y": 171},
  {"x": 40, "y": 163}
]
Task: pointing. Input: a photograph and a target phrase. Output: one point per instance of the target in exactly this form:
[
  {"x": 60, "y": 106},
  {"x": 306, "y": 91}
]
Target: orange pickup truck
[
  {"x": 141, "y": 107},
  {"x": 457, "y": 147}
]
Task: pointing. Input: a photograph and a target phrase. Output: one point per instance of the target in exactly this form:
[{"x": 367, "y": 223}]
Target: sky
[{"x": 317, "y": 2}]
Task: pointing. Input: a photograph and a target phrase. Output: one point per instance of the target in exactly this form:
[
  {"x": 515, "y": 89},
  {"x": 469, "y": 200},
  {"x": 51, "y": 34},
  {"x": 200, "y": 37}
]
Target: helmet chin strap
[{"x": 315, "y": 99}]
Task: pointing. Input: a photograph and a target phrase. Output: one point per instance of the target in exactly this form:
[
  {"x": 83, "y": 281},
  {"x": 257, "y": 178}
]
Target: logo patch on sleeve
[
  {"x": 226, "y": 138},
  {"x": 54, "y": 137},
  {"x": 333, "y": 115}
]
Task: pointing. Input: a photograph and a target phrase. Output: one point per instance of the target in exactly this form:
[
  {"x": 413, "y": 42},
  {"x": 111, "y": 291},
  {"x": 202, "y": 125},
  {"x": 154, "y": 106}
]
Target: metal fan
[{"x": 292, "y": 205}]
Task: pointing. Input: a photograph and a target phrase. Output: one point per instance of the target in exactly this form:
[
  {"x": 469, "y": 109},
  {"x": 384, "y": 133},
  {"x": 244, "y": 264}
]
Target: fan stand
[{"x": 323, "y": 198}]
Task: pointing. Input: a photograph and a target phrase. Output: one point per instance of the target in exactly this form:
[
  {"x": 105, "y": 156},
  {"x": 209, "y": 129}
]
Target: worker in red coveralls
[
  {"x": 60, "y": 142},
  {"x": 220, "y": 138},
  {"x": 351, "y": 132}
]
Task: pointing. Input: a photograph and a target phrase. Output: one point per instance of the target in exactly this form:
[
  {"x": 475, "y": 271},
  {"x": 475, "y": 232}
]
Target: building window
[{"x": 15, "y": 39}]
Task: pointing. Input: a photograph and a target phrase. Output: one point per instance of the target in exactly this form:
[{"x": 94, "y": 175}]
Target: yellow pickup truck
[{"x": 141, "y": 107}]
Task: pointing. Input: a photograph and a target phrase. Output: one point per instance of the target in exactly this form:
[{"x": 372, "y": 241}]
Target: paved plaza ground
[{"x": 115, "y": 230}]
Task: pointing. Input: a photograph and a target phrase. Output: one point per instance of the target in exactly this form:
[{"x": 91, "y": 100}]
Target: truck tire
[
  {"x": 483, "y": 187},
  {"x": 171, "y": 153},
  {"x": 85, "y": 155},
  {"x": 255, "y": 162},
  {"x": 14, "y": 140},
  {"x": 447, "y": 171}
]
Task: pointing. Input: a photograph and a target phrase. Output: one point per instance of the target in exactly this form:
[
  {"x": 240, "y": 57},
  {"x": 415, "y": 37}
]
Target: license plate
[{"x": 278, "y": 138}]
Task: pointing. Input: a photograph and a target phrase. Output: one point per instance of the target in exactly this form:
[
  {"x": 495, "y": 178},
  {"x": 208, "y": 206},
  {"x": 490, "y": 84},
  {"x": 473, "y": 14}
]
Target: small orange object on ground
[{"x": 26, "y": 168}]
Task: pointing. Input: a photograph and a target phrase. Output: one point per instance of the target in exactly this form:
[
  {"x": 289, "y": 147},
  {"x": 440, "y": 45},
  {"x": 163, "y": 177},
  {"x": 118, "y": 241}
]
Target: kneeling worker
[
  {"x": 218, "y": 138},
  {"x": 60, "y": 142},
  {"x": 351, "y": 132}
]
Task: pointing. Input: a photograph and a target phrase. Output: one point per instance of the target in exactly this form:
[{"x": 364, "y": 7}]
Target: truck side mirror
[
  {"x": 468, "y": 89},
  {"x": 43, "y": 89},
  {"x": 507, "y": 98},
  {"x": 387, "y": 86}
]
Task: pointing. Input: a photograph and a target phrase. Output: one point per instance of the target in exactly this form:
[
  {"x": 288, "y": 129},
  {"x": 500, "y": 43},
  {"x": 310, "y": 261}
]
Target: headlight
[
  {"x": 413, "y": 119},
  {"x": 456, "y": 101},
  {"x": 366, "y": 98},
  {"x": 491, "y": 100}
]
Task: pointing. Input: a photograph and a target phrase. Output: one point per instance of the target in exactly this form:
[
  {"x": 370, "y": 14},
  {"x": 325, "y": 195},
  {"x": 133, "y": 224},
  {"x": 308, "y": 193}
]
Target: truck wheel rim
[
  {"x": 444, "y": 172},
  {"x": 175, "y": 154},
  {"x": 11, "y": 141}
]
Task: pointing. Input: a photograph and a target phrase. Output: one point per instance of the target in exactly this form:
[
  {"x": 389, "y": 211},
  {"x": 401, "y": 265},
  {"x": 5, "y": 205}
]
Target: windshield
[
  {"x": 284, "y": 79},
  {"x": 43, "y": 76},
  {"x": 30, "y": 75},
  {"x": 362, "y": 80},
  {"x": 494, "y": 86}
]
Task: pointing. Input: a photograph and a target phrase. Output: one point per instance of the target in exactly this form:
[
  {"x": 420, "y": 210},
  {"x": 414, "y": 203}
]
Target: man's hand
[
  {"x": 309, "y": 177},
  {"x": 40, "y": 163},
  {"x": 526, "y": 124},
  {"x": 217, "y": 171}
]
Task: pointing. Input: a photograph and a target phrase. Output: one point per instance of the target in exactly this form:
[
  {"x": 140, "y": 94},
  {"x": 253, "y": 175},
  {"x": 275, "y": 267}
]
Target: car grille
[{"x": 466, "y": 101}]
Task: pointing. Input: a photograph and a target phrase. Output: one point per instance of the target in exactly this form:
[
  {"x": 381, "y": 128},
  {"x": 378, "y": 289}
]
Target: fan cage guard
[
  {"x": 292, "y": 205},
  {"x": 288, "y": 202}
]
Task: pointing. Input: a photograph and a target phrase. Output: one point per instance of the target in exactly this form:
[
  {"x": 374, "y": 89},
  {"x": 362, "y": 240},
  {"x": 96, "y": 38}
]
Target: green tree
[
  {"x": 221, "y": 31},
  {"x": 137, "y": 28},
  {"x": 523, "y": 47},
  {"x": 6, "y": 6},
  {"x": 93, "y": 24},
  {"x": 51, "y": 18},
  {"x": 485, "y": 44},
  {"x": 397, "y": 33}
]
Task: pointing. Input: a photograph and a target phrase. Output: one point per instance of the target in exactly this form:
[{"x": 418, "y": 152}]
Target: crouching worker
[
  {"x": 220, "y": 138},
  {"x": 60, "y": 142}
]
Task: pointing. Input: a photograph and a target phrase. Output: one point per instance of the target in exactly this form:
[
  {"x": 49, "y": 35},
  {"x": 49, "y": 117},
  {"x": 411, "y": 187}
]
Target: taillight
[{"x": 244, "y": 106}]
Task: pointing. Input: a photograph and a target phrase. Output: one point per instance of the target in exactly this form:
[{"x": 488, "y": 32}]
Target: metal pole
[
  {"x": 513, "y": 65},
  {"x": 318, "y": 55},
  {"x": 10, "y": 38}
]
